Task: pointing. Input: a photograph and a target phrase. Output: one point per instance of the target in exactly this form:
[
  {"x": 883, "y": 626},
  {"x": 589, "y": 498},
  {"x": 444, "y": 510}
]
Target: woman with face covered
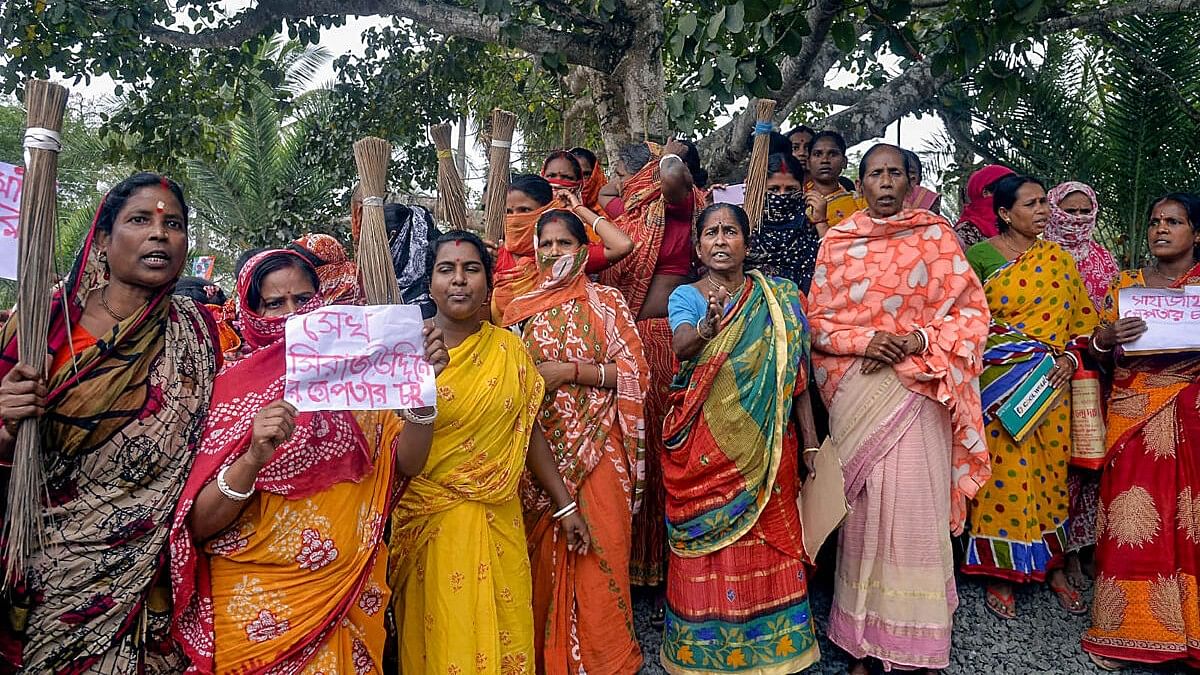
[
  {"x": 119, "y": 414},
  {"x": 585, "y": 344},
  {"x": 899, "y": 324},
  {"x": 737, "y": 592},
  {"x": 785, "y": 245}
]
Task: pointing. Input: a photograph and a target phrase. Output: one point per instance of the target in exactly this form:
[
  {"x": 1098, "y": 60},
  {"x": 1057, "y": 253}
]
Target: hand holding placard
[{"x": 1171, "y": 316}]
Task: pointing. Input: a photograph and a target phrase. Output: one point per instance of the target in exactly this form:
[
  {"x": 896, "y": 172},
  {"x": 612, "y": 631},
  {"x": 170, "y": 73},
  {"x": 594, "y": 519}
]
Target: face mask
[{"x": 783, "y": 207}]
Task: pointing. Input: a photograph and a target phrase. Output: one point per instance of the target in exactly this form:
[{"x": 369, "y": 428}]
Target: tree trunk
[{"x": 631, "y": 103}]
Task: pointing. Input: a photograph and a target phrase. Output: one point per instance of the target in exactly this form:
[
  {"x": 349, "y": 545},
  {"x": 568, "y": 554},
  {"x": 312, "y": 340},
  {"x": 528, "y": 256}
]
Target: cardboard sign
[
  {"x": 358, "y": 358},
  {"x": 11, "y": 178},
  {"x": 1171, "y": 315}
]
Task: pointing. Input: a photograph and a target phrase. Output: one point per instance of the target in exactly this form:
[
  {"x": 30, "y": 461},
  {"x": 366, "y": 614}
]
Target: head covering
[
  {"x": 1074, "y": 233},
  {"x": 786, "y": 244},
  {"x": 590, "y": 193},
  {"x": 261, "y": 331},
  {"x": 562, "y": 280},
  {"x": 411, "y": 230},
  {"x": 337, "y": 274},
  {"x": 520, "y": 270},
  {"x": 978, "y": 210}
]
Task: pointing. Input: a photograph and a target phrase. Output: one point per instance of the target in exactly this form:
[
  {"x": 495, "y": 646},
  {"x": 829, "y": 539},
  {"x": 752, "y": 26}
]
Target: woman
[
  {"x": 585, "y": 344},
  {"x": 799, "y": 138},
  {"x": 1147, "y": 604},
  {"x": 1073, "y": 212},
  {"x": 459, "y": 567},
  {"x": 594, "y": 179},
  {"x": 978, "y": 220},
  {"x": 337, "y": 274},
  {"x": 737, "y": 591},
  {"x": 410, "y": 230},
  {"x": 130, "y": 375},
  {"x": 1039, "y": 310},
  {"x": 656, "y": 205},
  {"x": 529, "y": 197},
  {"x": 919, "y": 196},
  {"x": 898, "y": 331},
  {"x": 563, "y": 169},
  {"x": 278, "y": 555},
  {"x": 829, "y": 201},
  {"x": 785, "y": 245}
]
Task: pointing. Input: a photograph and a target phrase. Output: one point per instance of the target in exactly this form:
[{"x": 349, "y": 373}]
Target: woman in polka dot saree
[{"x": 1018, "y": 520}]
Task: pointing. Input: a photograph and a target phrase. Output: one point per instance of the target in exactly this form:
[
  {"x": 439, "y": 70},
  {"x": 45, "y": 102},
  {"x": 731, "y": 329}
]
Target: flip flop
[
  {"x": 1070, "y": 600},
  {"x": 1005, "y": 608}
]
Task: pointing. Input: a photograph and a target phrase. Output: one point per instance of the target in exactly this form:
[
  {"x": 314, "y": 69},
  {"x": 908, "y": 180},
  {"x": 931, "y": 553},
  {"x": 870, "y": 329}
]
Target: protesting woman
[
  {"x": 899, "y": 324},
  {"x": 277, "y": 552},
  {"x": 459, "y": 566},
  {"x": 1146, "y": 607},
  {"x": 785, "y": 245},
  {"x": 130, "y": 375},
  {"x": 1039, "y": 309},
  {"x": 737, "y": 591},
  {"x": 829, "y": 200},
  {"x": 978, "y": 220},
  {"x": 585, "y": 344},
  {"x": 594, "y": 178}
]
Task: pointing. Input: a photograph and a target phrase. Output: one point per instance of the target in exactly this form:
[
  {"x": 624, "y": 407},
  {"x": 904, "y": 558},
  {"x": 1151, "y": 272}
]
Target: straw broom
[
  {"x": 450, "y": 185},
  {"x": 503, "y": 124},
  {"x": 373, "y": 155},
  {"x": 23, "y": 525},
  {"x": 756, "y": 177}
]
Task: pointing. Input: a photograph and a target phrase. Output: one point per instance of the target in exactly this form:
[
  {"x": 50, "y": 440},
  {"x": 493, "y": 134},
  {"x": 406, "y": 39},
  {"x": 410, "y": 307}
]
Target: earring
[{"x": 103, "y": 258}]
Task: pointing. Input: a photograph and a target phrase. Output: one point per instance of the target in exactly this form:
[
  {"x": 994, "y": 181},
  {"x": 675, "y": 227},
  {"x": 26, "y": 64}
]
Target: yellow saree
[{"x": 459, "y": 568}]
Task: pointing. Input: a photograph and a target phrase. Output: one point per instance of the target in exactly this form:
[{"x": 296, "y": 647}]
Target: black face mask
[{"x": 783, "y": 207}]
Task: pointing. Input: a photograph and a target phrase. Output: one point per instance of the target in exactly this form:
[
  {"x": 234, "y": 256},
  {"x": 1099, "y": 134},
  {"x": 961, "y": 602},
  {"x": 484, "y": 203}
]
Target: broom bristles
[
  {"x": 503, "y": 125},
  {"x": 756, "y": 177},
  {"x": 451, "y": 193},
  {"x": 24, "y": 526},
  {"x": 375, "y": 268}
]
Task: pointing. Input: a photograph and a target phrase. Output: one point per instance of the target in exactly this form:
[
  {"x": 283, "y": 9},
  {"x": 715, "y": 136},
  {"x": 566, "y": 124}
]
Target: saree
[
  {"x": 123, "y": 418},
  {"x": 516, "y": 265},
  {"x": 1146, "y": 606},
  {"x": 910, "y": 436},
  {"x": 590, "y": 192},
  {"x": 583, "y": 616},
  {"x": 921, "y": 197},
  {"x": 459, "y": 570},
  {"x": 839, "y": 204},
  {"x": 297, "y": 583},
  {"x": 1039, "y": 309},
  {"x": 737, "y": 591}
]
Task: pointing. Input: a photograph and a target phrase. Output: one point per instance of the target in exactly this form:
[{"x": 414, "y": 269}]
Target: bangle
[
  {"x": 603, "y": 376},
  {"x": 597, "y": 221},
  {"x": 230, "y": 493},
  {"x": 924, "y": 341},
  {"x": 1074, "y": 360},
  {"x": 565, "y": 511},
  {"x": 699, "y": 332},
  {"x": 1096, "y": 346},
  {"x": 423, "y": 420},
  {"x": 808, "y": 450}
]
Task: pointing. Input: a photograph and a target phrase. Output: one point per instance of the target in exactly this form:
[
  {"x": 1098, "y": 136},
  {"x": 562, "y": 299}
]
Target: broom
[
  {"x": 756, "y": 177},
  {"x": 23, "y": 526},
  {"x": 450, "y": 185},
  {"x": 372, "y": 155},
  {"x": 503, "y": 124}
]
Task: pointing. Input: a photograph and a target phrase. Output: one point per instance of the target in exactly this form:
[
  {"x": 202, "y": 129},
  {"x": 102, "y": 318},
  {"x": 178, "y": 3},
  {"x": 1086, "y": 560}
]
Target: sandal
[
  {"x": 1069, "y": 599},
  {"x": 1076, "y": 575},
  {"x": 1106, "y": 664},
  {"x": 658, "y": 616},
  {"x": 1001, "y": 606}
]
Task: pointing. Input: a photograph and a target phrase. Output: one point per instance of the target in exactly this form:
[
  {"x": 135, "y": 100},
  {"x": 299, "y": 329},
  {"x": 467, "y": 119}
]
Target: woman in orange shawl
[
  {"x": 584, "y": 342},
  {"x": 1146, "y": 606},
  {"x": 277, "y": 552},
  {"x": 595, "y": 181},
  {"x": 656, "y": 204},
  {"x": 899, "y": 323}
]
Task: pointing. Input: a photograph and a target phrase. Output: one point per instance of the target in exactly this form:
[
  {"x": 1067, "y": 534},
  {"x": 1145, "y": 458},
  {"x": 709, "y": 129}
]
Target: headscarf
[
  {"x": 786, "y": 244},
  {"x": 520, "y": 272},
  {"x": 978, "y": 210},
  {"x": 1096, "y": 264},
  {"x": 562, "y": 280},
  {"x": 410, "y": 230},
  {"x": 590, "y": 194},
  {"x": 337, "y": 274}
]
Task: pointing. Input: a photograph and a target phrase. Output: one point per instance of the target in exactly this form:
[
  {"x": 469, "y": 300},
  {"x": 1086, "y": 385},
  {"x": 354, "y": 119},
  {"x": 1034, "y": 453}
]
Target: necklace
[
  {"x": 731, "y": 291},
  {"x": 1164, "y": 275},
  {"x": 1010, "y": 246},
  {"x": 104, "y": 304}
]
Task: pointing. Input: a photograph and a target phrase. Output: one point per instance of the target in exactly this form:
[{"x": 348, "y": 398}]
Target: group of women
[{"x": 625, "y": 396}]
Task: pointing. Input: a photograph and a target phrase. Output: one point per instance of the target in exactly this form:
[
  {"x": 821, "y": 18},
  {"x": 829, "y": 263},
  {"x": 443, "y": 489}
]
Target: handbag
[{"x": 1088, "y": 446}]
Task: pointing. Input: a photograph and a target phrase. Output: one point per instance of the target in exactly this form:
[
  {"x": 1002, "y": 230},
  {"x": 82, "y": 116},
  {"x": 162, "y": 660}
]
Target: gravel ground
[{"x": 1042, "y": 639}]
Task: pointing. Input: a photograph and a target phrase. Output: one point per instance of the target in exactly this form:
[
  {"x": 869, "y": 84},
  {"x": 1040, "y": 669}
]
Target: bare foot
[{"x": 1076, "y": 574}]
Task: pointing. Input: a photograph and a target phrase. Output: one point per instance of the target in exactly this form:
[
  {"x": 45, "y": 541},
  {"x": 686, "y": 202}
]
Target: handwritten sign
[
  {"x": 357, "y": 358},
  {"x": 11, "y": 178},
  {"x": 1172, "y": 317}
]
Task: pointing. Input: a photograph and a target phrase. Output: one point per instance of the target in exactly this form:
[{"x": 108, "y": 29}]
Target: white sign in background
[
  {"x": 1171, "y": 316},
  {"x": 11, "y": 178},
  {"x": 344, "y": 357}
]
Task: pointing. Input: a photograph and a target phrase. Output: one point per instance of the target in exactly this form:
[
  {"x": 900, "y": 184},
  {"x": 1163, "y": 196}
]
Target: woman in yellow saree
[
  {"x": 1039, "y": 310},
  {"x": 278, "y": 558},
  {"x": 459, "y": 566}
]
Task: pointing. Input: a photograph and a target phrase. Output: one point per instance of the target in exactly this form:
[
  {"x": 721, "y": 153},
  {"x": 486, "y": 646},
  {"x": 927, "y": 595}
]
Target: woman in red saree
[
  {"x": 1146, "y": 606},
  {"x": 584, "y": 342}
]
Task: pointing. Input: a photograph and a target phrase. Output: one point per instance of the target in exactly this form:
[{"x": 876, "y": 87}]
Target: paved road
[{"x": 1043, "y": 639}]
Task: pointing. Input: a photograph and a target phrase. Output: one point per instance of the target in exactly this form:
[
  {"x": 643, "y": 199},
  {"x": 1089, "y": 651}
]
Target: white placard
[
  {"x": 733, "y": 194},
  {"x": 344, "y": 357},
  {"x": 1172, "y": 318},
  {"x": 11, "y": 178}
]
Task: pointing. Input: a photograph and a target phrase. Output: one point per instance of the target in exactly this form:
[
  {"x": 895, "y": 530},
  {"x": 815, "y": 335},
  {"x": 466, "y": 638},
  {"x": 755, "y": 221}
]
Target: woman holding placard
[
  {"x": 459, "y": 565},
  {"x": 277, "y": 552},
  {"x": 1147, "y": 607},
  {"x": 1040, "y": 309}
]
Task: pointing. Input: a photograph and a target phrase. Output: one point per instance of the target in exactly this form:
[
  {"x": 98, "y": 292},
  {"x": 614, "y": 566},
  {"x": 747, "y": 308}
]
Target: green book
[{"x": 1028, "y": 405}]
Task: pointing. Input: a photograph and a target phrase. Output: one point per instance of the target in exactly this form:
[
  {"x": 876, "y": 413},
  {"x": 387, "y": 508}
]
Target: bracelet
[
  {"x": 924, "y": 341},
  {"x": 1074, "y": 360},
  {"x": 597, "y": 221},
  {"x": 565, "y": 511},
  {"x": 603, "y": 376},
  {"x": 701, "y": 333},
  {"x": 424, "y": 420},
  {"x": 575, "y": 378},
  {"x": 230, "y": 493},
  {"x": 808, "y": 450},
  {"x": 1096, "y": 346},
  {"x": 664, "y": 158}
]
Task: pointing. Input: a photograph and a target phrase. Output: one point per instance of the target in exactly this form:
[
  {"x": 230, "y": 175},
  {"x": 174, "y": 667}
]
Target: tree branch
[
  {"x": 958, "y": 127},
  {"x": 1139, "y": 61},
  {"x": 1101, "y": 17},
  {"x": 595, "y": 50},
  {"x": 904, "y": 94}
]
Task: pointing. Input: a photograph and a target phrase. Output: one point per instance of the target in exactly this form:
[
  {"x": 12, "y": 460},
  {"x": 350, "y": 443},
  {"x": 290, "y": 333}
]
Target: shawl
[
  {"x": 326, "y": 448},
  {"x": 590, "y": 193},
  {"x": 901, "y": 274},
  {"x": 729, "y": 417},
  {"x": 644, "y": 220},
  {"x": 1096, "y": 264},
  {"x": 978, "y": 210},
  {"x": 337, "y": 274},
  {"x": 410, "y": 231},
  {"x": 786, "y": 248},
  {"x": 562, "y": 281},
  {"x": 518, "y": 258},
  {"x": 118, "y": 438},
  {"x": 921, "y": 197}
]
